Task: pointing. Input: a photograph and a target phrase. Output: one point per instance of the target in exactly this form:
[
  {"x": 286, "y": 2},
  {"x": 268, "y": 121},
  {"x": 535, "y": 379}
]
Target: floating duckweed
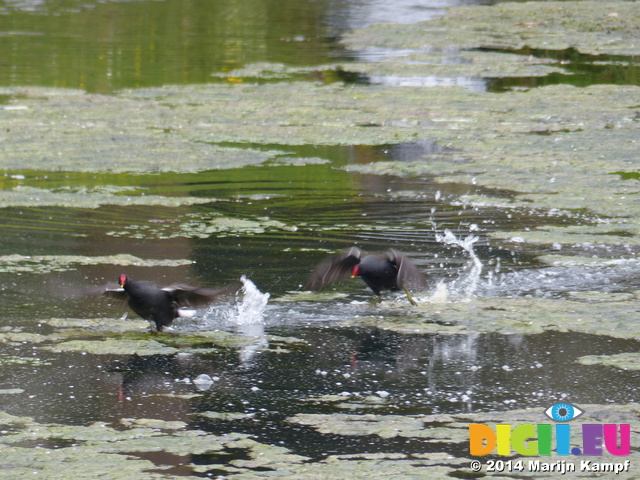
[
  {"x": 104, "y": 336},
  {"x": 421, "y": 67},
  {"x": 196, "y": 226},
  {"x": 224, "y": 416},
  {"x": 61, "y": 263},
  {"x": 385, "y": 426},
  {"x": 448, "y": 428},
  {"x": 516, "y": 315},
  {"x": 87, "y": 198},
  {"x": 99, "y": 448},
  {"x": 588, "y": 134},
  {"x": 623, "y": 361},
  {"x": 263, "y": 70},
  {"x": 97, "y": 324},
  {"x": 588, "y": 26},
  {"x": 351, "y": 402},
  {"x": 595, "y": 296},
  {"x": 206, "y": 339},
  {"x": 17, "y": 360},
  {"x": 591, "y": 262},
  {"x": 299, "y": 161},
  {"x": 18, "y": 337},
  {"x": 113, "y": 346},
  {"x": 153, "y": 423},
  {"x": 604, "y": 234},
  {"x": 10, "y": 391}
]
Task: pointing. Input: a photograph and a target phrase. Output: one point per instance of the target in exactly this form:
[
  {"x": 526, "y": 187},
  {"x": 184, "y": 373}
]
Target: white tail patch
[{"x": 187, "y": 312}]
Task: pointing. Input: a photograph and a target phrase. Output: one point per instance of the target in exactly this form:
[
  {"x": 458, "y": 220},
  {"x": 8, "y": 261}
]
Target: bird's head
[
  {"x": 122, "y": 280},
  {"x": 355, "y": 271}
]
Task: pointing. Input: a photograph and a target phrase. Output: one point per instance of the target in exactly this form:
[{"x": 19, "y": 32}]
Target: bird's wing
[
  {"x": 334, "y": 268},
  {"x": 116, "y": 293},
  {"x": 189, "y": 296},
  {"x": 408, "y": 274}
]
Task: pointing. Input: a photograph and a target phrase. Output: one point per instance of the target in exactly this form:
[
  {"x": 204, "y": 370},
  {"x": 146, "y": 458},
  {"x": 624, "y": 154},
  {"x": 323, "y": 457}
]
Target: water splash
[
  {"x": 250, "y": 310},
  {"x": 567, "y": 277},
  {"x": 441, "y": 293},
  {"x": 249, "y": 320},
  {"x": 247, "y": 311},
  {"x": 467, "y": 284},
  {"x": 245, "y": 317}
]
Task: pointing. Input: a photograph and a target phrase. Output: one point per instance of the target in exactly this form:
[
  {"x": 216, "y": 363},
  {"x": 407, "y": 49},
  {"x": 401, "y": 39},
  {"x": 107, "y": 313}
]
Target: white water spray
[
  {"x": 249, "y": 320},
  {"x": 468, "y": 281},
  {"x": 247, "y": 310},
  {"x": 250, "y": 310}
]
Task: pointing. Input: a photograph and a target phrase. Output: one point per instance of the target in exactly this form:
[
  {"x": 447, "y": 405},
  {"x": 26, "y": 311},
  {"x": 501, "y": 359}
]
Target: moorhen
[
  {"x": 390, "y": 271},
  {"x": 162, "y": 305}
]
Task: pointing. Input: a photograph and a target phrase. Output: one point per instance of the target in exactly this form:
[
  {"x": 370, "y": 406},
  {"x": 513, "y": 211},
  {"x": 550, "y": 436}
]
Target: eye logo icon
[{"x": 563, "y": 412}]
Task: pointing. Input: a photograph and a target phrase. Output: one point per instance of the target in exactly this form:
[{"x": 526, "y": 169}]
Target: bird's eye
[{"x": 563, "y": 412}]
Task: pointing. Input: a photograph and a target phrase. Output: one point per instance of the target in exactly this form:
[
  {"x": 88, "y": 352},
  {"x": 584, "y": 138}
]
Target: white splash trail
[
  {"x": 248, "y": 319},
  {"x": 250, "y": 311},
  {"x": 467, "y": 284}
]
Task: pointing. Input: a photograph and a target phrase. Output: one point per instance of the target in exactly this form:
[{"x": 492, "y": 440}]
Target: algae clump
[
  {"x": 60, "y": 263},
  {"x": 588, "y": 26},
  {"x": 623, "y": 361}
]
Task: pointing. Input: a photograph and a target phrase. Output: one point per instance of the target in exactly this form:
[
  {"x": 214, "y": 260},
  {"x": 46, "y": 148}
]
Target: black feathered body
[
  {"x": 151, "y": 303},
  {"x": 391, "y": 270},
  {"x": 378, "y": 273},
  {"x": 162, "y": 305}
]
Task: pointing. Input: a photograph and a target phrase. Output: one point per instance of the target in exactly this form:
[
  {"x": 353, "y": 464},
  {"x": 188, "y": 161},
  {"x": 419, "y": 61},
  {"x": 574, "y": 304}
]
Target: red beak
[{"x": 355, "y": 271}]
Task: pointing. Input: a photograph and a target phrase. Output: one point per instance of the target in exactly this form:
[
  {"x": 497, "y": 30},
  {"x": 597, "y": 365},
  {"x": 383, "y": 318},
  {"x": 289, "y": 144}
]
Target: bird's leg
[
  {"x": 376, "y": 299},
  {"x": 154, "y": 328},
  {"x": 409, "y": 297}
]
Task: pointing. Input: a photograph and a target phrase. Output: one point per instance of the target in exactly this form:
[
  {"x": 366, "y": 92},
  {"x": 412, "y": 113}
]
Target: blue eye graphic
[{"x": 563, "y": 412}]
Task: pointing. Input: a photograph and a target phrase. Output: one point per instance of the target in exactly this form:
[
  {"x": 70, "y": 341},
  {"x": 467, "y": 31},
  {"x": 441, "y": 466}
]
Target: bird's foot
[
  {"x": 160, "y": 329},
  {"x": 409, "y": 297}
]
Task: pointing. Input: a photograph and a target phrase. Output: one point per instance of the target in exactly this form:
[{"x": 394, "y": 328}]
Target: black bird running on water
[
  {"x": 390, "y": 271},
  {"x": 163, "y": 305}
]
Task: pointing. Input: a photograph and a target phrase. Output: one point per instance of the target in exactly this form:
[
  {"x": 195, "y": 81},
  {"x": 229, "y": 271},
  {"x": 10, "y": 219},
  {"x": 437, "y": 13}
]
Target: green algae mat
[{"x": 126, "y": 449}]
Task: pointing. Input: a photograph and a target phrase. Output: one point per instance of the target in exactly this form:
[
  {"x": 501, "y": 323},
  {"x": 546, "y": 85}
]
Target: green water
[{"x": 105, "y": 46}]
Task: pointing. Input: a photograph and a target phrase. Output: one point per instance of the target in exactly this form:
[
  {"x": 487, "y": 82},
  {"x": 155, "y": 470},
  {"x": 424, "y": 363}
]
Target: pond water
[
  {"x": 104, "y": 46},
  {"x": 66, "y": 234}
]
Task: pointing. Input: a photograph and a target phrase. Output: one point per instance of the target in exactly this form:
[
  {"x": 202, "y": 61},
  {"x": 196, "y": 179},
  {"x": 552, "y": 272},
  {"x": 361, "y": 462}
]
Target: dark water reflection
[
  {"x": 101, "y": 47},
  {"x": 105, "y": 46},
  {"x": 581, "y": 70},
  {"x": 409, "y": 374}
]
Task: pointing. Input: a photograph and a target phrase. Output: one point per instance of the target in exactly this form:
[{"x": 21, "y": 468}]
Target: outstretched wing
[
  {"x": 408, "y": 274},
  {"x": 116, "y": 293},
  {"x": 334, "y": 268},
  {"x": 189, "y": 296}
]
